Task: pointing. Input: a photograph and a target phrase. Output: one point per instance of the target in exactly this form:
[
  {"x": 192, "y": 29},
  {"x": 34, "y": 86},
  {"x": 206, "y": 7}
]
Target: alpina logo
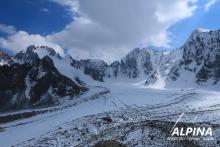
[{"x": 191, "y": 132}]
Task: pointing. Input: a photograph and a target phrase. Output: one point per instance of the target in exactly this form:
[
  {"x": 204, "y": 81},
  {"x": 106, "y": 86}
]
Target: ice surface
[{"x": 122, "y": 96}]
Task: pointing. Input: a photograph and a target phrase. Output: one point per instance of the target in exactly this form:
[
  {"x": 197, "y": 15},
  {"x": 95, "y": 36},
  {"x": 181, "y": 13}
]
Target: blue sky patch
[{"x": 35, "y": 17}]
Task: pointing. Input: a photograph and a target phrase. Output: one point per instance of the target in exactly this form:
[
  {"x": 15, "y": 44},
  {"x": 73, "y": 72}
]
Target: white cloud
[
  {"x": 209, "y": 4},
  {"x": 176, "y": 12},
  {"x": 72, "y": 5},
  {"x": 44, "y": 10},
  {"x": 112, "y": 28},
  {"x": 7, "y": 29},
  {"x": 21, "y": 40},
  {"x": 108, "y": 29},
  {"x": 160, "y": 40}
]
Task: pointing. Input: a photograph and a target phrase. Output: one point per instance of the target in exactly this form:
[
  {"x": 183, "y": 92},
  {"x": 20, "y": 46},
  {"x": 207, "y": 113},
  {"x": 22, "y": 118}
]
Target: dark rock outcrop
[{"x": 34, "y": 82}]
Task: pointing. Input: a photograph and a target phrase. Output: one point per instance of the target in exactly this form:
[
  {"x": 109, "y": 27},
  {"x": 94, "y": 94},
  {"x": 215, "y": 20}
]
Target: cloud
[
  {"x": 175, "y": 12},
  {"x": 44, "y": 10},
  {"x": 7, "y": 29},
  {"x": 21, "y": 40},
  {"x": 209, "y": 4},
  {"x": 72, "y": 5},
  {"x": 109, "y": 29}
]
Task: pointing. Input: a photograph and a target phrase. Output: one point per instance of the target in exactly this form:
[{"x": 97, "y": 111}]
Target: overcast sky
[{"x": 105, "y": 29}]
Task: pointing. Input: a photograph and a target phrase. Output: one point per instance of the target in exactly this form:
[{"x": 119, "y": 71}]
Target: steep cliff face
[
  {"x": 49, "y": 83},
  {"x": 12, "y": 86},
  {"x": 136, "y": 63},
  {"x": 95, "y": 68},
  {"x": 200, "y": 61},
  {"x": 32, "y": 81}
]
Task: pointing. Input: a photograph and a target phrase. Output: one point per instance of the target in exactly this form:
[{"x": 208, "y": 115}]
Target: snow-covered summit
[
  {"x": 32, "y": 53},
  {"x": 46, "y": 51}
]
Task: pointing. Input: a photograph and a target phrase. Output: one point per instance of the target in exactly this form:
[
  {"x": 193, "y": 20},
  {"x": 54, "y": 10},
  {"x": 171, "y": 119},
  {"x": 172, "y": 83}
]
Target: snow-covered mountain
[
  {"x": 40, "y": 76},
  {"x": 200, "y": 62},
  {"x": 195, "y": 64},
  {"x": 33, "y": 80},
  {"x": 93, "y": 67}
]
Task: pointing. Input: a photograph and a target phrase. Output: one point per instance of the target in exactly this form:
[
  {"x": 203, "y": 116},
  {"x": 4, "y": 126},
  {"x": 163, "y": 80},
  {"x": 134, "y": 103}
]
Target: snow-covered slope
[
  {"x": 65, "y": 65},
  {"x": 129, "y": 113}
]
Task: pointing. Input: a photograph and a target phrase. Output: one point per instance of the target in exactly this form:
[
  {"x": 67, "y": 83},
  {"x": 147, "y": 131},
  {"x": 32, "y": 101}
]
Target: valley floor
[{"x": 127, "y": 112}]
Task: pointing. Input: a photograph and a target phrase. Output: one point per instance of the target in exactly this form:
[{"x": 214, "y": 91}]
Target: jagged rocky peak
[
  {"x": 201, "y": 58},
  {"x": 33, "y": 53},
  {"x": 199, "y": 31},
  {"x": 138, "y": 53},
  {"x": 45, "y": 50},
  {"x": 137, "y": 62},
  {"x": 28, "y": 56},
  {"x": 94, "y": 67},
  {"x": 202, "y": 46}
]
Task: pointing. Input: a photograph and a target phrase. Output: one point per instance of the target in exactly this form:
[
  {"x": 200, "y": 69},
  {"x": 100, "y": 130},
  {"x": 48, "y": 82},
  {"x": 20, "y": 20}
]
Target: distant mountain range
[{"x": 41, "y": 77}]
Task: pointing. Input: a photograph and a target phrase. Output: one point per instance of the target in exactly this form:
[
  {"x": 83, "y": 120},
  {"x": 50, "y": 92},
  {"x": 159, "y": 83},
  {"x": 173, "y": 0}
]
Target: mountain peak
[
  {"x": 203, "y": 34},
  {"x": 35, "y": 52},
  {"x": 202, "y": 30},
  {"x": 198, "y": 32},
  {"x": 43, "y": 51}
]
